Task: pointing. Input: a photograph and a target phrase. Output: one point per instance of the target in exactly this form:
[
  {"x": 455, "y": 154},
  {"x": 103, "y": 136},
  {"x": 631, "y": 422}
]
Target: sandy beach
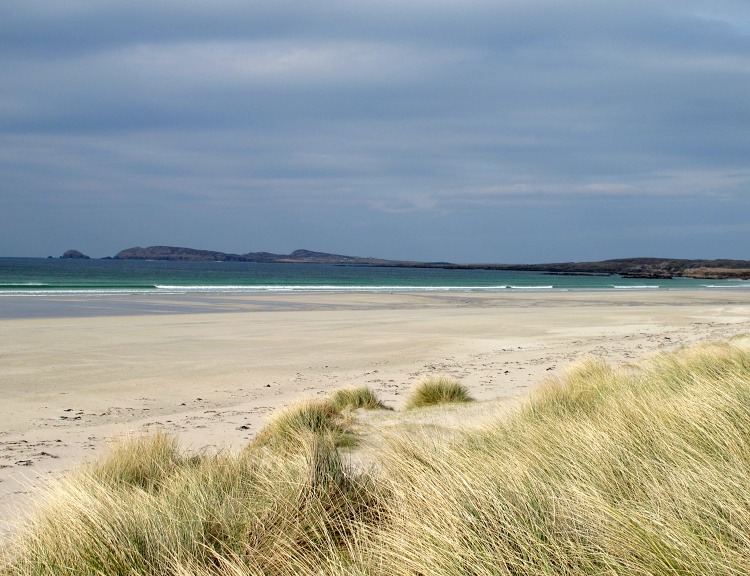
[{"x": 75, "y": 372}]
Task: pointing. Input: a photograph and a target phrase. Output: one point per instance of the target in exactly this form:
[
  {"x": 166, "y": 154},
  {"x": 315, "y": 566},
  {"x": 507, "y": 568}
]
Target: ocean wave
[
  {"x": 281, "y": 288},
  {"x": 80, "y": 291},
  {"x": 239, "y": 289}
]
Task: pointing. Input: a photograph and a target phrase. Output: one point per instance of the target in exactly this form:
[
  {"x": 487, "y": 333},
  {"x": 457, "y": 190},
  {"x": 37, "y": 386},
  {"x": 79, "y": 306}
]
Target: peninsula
[{"x": 627, "y": 267}]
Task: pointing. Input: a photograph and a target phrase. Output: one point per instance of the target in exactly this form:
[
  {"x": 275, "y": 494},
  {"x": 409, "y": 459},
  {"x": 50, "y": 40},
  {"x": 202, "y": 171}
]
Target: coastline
[
  {"x": 649, "y": 267},
  {"x": 210, "y": 368}
]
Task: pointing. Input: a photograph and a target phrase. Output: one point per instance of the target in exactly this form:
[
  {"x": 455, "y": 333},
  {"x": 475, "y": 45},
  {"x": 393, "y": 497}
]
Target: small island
[{"x": 75, "y": 255}]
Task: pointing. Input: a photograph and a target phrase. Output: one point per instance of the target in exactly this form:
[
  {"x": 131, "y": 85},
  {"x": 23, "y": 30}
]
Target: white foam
[
  {"x": 79, "y": 291},
  {"x": 279, "y": 288},
  {"x": 636, "y": 287}
]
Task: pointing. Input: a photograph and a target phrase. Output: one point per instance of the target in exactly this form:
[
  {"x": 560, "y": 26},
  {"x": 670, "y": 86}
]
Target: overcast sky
[{"x": 460, "y": 130}]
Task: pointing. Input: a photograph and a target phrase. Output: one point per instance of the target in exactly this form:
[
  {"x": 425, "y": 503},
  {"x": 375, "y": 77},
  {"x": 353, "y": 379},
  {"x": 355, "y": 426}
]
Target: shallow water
[{"x": 45, "y": 277}]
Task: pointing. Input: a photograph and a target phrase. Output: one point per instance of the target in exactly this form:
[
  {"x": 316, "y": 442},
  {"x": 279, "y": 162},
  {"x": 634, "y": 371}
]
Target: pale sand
[{"x": 68, "y": 383}]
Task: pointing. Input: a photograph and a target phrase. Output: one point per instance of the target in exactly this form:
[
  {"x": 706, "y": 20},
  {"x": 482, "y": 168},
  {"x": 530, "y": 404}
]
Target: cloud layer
[{"x": 470, "y": 131}]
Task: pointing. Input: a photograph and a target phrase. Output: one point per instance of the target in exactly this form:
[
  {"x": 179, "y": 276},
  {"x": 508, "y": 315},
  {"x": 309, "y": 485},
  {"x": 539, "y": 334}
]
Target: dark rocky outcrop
[
  {"x": 656, "y": 268},
  {"x": 718, "y": 273},
  {"x": 75, "y": 254}
]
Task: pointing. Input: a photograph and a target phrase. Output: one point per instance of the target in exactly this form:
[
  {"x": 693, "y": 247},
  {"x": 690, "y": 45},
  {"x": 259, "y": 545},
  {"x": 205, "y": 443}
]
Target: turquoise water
[{"x": 40, "y": 276}]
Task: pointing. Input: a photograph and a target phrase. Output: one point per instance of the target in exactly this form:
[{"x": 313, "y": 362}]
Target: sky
[{"x": 453, "y": 130}]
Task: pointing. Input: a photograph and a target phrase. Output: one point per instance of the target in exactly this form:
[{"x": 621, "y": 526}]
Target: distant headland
[{"x": 627, "y": 267}]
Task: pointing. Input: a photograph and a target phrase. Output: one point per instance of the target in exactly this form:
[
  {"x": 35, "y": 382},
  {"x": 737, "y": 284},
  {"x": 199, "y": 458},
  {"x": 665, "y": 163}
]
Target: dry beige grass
[
  {"x": 437, "y": 390},
  {"x": 602, "y": 471},
  {"x": 316, "y": 417},
  {"x": 356, "y": 397}
]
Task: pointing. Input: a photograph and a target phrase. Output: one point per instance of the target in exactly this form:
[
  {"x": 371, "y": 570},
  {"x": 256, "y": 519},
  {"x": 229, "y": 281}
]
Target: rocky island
[
  {"x": 191, "y": 254},
  {"x": 75, "y": 254}
]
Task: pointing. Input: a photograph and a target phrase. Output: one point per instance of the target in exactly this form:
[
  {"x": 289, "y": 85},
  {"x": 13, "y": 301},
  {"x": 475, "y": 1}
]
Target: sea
[{"x": 54, "y": 276}]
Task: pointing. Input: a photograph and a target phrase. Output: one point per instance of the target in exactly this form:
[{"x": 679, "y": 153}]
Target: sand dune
[{"x": 211, "y": 369}]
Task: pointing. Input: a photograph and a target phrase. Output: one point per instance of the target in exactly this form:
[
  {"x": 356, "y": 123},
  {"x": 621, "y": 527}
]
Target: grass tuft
[
  {"x": 437, "y": 390},
  {"x": 356, "y": 397},
  {"x": 289, "y": 424},
  {"x": 143, "y": 460}
]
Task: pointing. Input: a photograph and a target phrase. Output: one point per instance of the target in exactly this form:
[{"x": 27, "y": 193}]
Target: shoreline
[
  {"x": 648, "y": 267},
  {"x": 49, "y": 306},
  {"x": 211, "y": 368}
]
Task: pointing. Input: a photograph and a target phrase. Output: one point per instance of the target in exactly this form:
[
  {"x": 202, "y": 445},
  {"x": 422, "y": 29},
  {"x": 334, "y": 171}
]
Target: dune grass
[
  {"x": 249, "y": 511},
  {"x": 139, "y": 460},
  {"x": 437, "y": 390},
  {"x": 355, "y": 397},
  {"x": 318, "y": 417},
  {"x": 602, "y": 471}
]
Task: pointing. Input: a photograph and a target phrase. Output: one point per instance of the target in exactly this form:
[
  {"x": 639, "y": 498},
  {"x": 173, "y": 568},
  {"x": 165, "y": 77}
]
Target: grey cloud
[{"x": 415, "y": 111}]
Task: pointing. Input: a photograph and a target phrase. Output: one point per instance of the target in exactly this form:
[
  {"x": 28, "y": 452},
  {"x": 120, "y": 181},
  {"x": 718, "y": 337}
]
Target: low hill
[
  {"x": 191, "y": 254},
  {"x": 627, "y": 267}
]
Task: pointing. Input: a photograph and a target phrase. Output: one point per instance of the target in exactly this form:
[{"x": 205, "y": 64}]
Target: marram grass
[
  {"x": 241, "y": 513},
  {"x": 143, "y": 461},
  {"x": 603, "y": 471},
  {"x": 437, "y": 390},
  {"x": 286, "y": 425},
  {"x": 356, "y": 397},
  {"x": 317, "y": 417}
]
